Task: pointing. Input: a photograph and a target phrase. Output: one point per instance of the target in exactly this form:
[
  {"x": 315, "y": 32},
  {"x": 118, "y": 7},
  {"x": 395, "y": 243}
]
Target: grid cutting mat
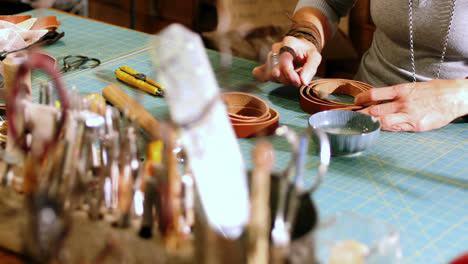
[
  {"x": 89, "y": 38},
  {"x": 417, "y": 182}
]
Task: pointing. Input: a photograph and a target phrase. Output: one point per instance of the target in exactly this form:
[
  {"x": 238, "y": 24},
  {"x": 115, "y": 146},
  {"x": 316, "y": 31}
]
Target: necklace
[{"x": 444, "y": 48}]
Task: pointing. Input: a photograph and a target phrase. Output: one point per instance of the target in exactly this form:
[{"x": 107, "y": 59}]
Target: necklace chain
[{"x": 411, "y": 39}]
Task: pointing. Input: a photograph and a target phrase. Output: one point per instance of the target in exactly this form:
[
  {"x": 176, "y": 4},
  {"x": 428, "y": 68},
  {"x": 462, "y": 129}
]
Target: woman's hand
[
  {"x": 308, "y": 35},
  {"x": 419, "y": 106},
  {"x": 306, "y": 61}
]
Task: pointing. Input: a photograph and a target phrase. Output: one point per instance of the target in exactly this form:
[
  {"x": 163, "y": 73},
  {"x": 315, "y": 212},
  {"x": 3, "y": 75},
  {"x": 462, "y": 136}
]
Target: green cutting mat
[{"x": 415, "y": 181}]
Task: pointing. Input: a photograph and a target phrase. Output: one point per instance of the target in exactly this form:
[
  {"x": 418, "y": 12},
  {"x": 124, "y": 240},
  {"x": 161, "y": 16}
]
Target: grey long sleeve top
[{"x": 388, "y": 60}]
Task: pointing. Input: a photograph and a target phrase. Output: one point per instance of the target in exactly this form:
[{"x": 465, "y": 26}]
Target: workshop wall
[
  {"x": 341, "y": 56},
  {"x": 150, "y": 15}
]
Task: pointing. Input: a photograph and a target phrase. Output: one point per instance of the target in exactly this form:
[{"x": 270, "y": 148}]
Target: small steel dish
[{"x": 349, "y": 132}]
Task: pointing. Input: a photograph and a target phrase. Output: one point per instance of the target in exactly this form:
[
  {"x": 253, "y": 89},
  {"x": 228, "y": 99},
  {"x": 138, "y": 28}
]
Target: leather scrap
[
  {"x": 250, "y": 116},
  {"x": 48, "y": 22},
  {"x": 15, "y": 19},
  {"x": 20, "y": 32}
]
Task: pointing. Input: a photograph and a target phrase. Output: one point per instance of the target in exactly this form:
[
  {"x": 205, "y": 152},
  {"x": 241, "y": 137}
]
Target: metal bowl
[{"x": 349, "y": 132}]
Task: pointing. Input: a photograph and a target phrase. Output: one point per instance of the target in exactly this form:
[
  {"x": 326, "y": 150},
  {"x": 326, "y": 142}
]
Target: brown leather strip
[
  {"x": 15, "y": 19},
  {"x": 250, "y": 116},
  {"x": 48, "y": 22},
  {"x": 313, "y": 97}
]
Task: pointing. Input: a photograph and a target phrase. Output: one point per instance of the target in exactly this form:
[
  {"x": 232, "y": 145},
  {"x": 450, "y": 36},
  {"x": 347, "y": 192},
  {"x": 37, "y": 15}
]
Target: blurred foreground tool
[
  {"x": 202, "y": 119},
  {"x": 463, "y": 259},
  {"x": 116, "y": 96},
  {"x": 259, "y": 225},
  {"x": 139, "y": 80}
]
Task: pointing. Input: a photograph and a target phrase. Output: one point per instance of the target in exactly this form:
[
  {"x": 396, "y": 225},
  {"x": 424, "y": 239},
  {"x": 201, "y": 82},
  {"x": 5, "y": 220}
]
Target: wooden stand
[{"x": 87, "y": 240}]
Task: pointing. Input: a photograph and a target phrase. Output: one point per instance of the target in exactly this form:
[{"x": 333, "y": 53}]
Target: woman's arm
[
  {"x": 419, "y": 106},
  {"x": 307, "y": 54},
  {"x": 318, "y": 19},
  {"x": 314, "y": 22}
]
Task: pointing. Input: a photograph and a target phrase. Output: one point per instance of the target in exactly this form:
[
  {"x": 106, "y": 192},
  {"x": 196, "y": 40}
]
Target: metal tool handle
[
  {"x": 324, "y": 156},
  {"x": 283, "y": 223},
  {"x": 280, "y": 233},
  {"x": 72, "y": 62}
]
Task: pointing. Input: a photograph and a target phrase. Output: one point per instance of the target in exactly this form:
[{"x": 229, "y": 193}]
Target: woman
[{"x": 419, "y": 55}]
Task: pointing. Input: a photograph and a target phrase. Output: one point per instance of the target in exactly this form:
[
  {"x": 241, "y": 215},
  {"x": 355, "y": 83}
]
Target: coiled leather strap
[
  {"x": 250, "y": 116},
  {"x": 313, "y": 97}
]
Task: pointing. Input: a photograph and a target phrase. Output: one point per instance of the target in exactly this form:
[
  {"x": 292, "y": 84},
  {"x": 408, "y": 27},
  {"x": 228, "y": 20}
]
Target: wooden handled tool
[
  {"x": 258, "y": 228},
  {"x": 116, "y": 96},
  {"x": 172, "y": 235}
]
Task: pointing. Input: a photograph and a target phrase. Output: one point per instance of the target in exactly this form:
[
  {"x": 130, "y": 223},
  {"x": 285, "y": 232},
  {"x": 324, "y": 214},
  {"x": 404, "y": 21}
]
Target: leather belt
[
  {"x": 250, "y": 116},
  {"x": 313, "y": 97},
  {"x": 48, "y": 22}
]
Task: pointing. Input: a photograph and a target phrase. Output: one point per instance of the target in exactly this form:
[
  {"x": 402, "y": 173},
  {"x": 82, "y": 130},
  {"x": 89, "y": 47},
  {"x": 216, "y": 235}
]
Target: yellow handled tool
[{"x": 139, "y": 80}]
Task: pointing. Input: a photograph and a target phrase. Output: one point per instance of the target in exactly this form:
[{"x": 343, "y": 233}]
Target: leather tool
[
  {"x": 116, "y": 96},
  {"x": 250, "y": 116},
  {"x": 79, "y": 62},
  {"x": 313, "y": 97},
  {"x": 258, "y": 228},
  {"x": 139, "y": 80}
]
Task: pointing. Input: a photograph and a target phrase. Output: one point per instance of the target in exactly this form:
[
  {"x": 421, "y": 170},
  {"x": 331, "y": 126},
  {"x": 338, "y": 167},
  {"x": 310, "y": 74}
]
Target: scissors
[{"x": 75, "y": 62}]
